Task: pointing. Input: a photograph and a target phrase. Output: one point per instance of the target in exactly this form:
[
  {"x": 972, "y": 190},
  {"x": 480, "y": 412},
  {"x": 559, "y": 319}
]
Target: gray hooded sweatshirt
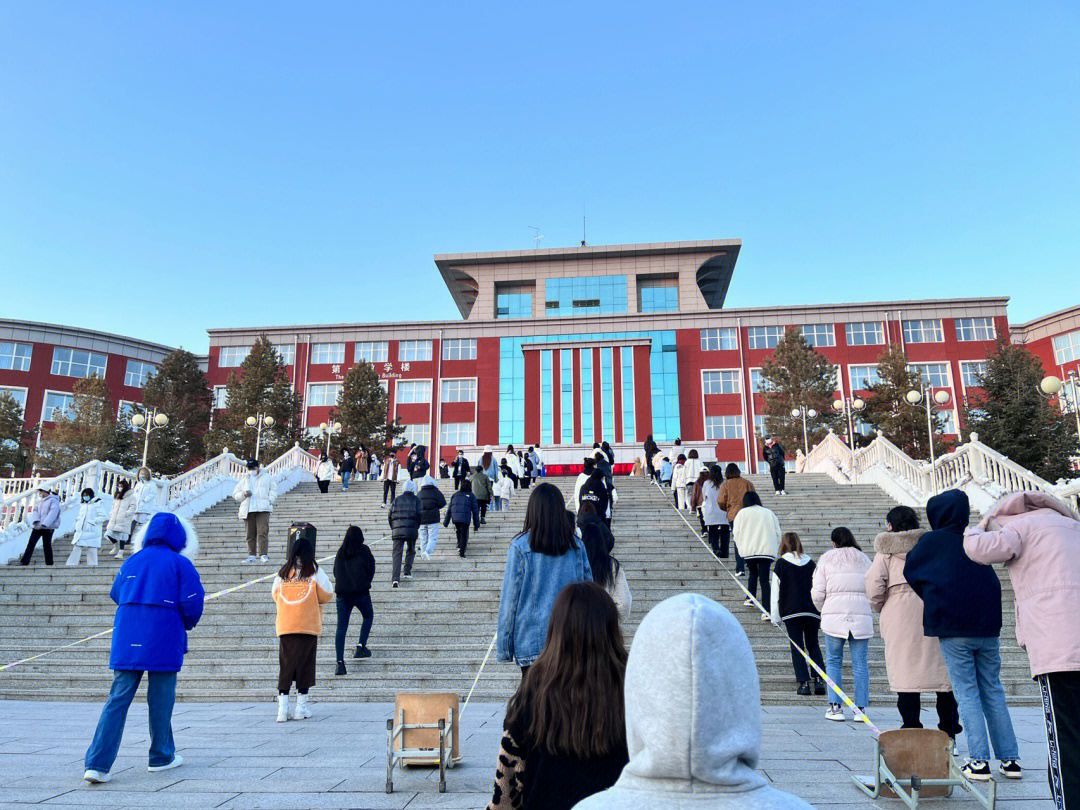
[{"x": 693, "y": 716}]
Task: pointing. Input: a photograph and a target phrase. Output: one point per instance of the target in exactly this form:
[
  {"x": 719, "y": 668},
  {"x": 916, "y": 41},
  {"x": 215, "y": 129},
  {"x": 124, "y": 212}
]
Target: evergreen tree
[
  {"x": 259, "y": 387},
  {"x": 796, "y": 376},
  {"x": 1012, "y": 416},
  {"x": 888, "y": 410},
  {"x": 83, "y": 432},
  {"x": 180, "y": 390},
  {"x": 124, "y": 445},
  {"x": 16, "y": 442},
  {"x": 362, "y": 408}
]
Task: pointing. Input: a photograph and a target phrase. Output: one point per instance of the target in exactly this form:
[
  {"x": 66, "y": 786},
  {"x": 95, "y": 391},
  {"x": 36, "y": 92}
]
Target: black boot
[
  {"x": 340, "y": 669},
  {"x": 819, "y": 686},
  {"x": 362, "y": 652},
  {"x": 804, "y": 688}
]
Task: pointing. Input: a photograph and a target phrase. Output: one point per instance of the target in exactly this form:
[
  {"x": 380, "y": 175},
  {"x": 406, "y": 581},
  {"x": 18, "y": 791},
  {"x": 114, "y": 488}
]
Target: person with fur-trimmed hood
[{"x": 159, "y": 598}]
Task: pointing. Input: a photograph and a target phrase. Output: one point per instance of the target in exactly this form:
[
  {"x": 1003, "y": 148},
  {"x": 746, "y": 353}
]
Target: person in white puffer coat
[
  {"x": 88, "y": 528},
  {"x": 839, "y": 592},
  {"x": 256, "y": 493},
  {"x": 121, "y": 517},
  {"x": 146, "y": 499},
  {"x": 757, "y": 533},
  {"x": 679, "y": 480}
]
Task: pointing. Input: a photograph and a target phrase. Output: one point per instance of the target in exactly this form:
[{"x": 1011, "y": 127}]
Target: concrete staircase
[{"x": 432, "y": 632}]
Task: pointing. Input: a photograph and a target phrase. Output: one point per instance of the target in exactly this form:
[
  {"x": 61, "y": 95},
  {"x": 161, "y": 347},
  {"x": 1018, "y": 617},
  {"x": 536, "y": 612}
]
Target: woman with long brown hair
[{"x": 564, "y": 736}]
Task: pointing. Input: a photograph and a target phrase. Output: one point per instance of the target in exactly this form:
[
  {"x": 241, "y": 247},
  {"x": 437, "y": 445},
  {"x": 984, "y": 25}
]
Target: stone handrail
[{"x": 101, "y": 476}]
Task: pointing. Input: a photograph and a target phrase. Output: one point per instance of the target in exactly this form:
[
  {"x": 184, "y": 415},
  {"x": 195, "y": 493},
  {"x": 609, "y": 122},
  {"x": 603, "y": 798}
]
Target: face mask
[
  {"x": 144, "y": 477},
  {"x": 86, "y": 499}
]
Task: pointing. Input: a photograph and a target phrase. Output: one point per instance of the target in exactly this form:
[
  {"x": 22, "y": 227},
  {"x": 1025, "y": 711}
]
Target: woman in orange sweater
[{"x": 300, "y": 590}]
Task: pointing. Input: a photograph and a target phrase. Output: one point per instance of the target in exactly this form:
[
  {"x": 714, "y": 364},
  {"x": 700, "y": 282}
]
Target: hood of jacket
[
  {"x": 949, "y": 511},
  {"x": 897, "y": 542},
  {"x": 693, "y": 705},
  {"x": 1019, "y": 504},
  {"x": 796, "y": 559},
  {"x": 166, "y": 529}
]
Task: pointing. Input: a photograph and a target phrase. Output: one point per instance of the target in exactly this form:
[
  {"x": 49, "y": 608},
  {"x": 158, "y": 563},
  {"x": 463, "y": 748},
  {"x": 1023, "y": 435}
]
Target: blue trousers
[
  {"x": 860, "y": 671},
  {"x": 345, "y": 478},
  {"x": 974, "y": 666},
  {"x": 160, "y": 697}
]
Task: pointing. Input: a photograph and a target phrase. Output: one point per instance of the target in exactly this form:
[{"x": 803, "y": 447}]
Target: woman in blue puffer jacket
[{"x": 159, "y": 598}]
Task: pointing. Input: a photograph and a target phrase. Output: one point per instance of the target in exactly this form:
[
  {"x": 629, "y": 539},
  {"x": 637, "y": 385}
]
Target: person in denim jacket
[{"x": 541, "y": 561}]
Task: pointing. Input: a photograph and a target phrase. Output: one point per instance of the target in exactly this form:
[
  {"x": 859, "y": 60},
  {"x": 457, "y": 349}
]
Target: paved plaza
[{"x": 236, "y": 756}]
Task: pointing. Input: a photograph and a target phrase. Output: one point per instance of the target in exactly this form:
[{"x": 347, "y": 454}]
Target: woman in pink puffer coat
[
  {"x": 839, "y": 592},
  {"x": 1038, "y": 539}
]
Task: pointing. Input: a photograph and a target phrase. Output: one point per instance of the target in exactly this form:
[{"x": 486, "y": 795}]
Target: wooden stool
[{"x": 426, "y": 733}]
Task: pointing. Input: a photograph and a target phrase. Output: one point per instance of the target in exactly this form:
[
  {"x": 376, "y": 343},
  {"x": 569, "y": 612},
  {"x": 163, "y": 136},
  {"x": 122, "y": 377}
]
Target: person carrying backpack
[
  {"x": 404, "y": 519},
  {"x": 463, "y": 508}
]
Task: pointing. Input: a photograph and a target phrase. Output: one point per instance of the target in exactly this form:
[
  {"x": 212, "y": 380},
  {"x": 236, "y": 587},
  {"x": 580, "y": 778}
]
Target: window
[
  {"x": 972, "y": 371},
  {"x": 723, "y": 427},
  {"x": 371, "y": 351},
  {"x": 658, "y": 295},
  {"x": 720, "y": 382},
  {"x": 17, "y": 394},
  {"x": 758, "y": 384},
  {"x": 221, "y": 397},
  {"x": 819, "y": 334},
  {"x": 15, "y": 356},
  {"x": 722, "y": 339},
  {"x": 586, "y": 295},
  {"x": 628, "y": 423},
  {"x": 765, "y": 337},
  {"x": 948, "y": 422},
  {"x": 1066, "y": 348},
  {"x": 124, "y": 410},
  {"x": 566, "y": 383},
  {"x": 862, "y": 377},
  {"x": 137, "y": 373},
  {"x": 759, "y": 425},
  {"x": 975, "y": 329},
  {"x": 865, "y": 333},
  {"x": 323, "y": 354},
  {"x": 588, "y": 427},
  {"x": 923, "y": 331},
  {"x": 547, "y": 431},
  {"x": 934, "y": 375},
  {"x": 78, "y": 363},
  {"x": 459, "y": 349},
  {"x": 56, "y": 403},
  {"x": 323, "y": 394},
  {"x": 232, "y": 356},
  {"x": 457, "y": 391},
  {"x": 410, "y": 350},
  {"x": 457, "y": 433},
  {"x": 412, "y": 391},
  {"x": 513, "y": 305},
  {"x": 287, "y": 353},
  {"x": 417, "y": 434}
]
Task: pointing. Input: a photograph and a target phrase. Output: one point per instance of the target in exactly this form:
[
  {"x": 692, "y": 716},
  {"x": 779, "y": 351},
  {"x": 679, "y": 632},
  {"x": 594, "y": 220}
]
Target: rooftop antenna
[
  {"x": 583, "y": 242},
  {"x": 536, "y": 235}
]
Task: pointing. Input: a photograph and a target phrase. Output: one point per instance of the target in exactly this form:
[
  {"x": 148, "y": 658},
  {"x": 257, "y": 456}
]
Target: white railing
[
  {"x": 101, "y": 476},
  {"x": 980, "y": 470}
]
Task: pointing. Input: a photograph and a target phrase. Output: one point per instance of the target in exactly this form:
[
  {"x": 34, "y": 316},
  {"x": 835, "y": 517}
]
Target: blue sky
[{"x": 168, "y": 167}]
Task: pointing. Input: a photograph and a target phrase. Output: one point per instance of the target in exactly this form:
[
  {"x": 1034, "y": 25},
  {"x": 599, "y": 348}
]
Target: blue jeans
[
  {"x": 429, "y": 536},
  {"x": 345, "y": 604},
  {"x": 496, "y": 504},
  {"x": 345, "y": 476},
  {"x": 160, "y": 696},
  {"x": 974, "y": 666},
  {"x": 834, "y": 661}
]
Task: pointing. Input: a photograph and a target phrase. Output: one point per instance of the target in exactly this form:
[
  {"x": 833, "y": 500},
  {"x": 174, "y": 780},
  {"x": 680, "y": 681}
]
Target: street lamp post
[
  {"x": 258, "y": 422},
  {"x": 1070, "y": 392},
  {"x": 805, "y": 413},
  {"x": 329, "y": 429},
  {"x": 923, "y": 397},
  {"x": 155, "y": 421},
  {"x": 849, "y": 406}
]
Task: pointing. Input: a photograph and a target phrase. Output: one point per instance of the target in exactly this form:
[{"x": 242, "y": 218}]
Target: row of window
[
  {"x": 73, "y": 363},
  {"x": 56, "y": 403},
  {"x": 731, "y": 426},
  {"x": 408, "y": 392},
  {"x": 1067, "y": 347},
  {"x": 934, "y": 375},
  {"x": 367, "y": 351},
  {"x": 862, "y": 333}
]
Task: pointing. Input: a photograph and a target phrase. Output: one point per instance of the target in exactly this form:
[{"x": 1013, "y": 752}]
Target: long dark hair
[
  {"x": 545, "y": 522},
  {"x": 572, "y": 696},
  {"x": 124, "y": 487},
  {"x": 843, "y": 538},
  {"x": 301, "y": 560},
  {"x": 751, "y": 498},
  {"x": 902, "y": 519},
  {"x": 598, "y": 544},
  {"x": 732, "y": 471},
  {"x": 715, "y": 475},
  {"x": 353, "y": 542}
]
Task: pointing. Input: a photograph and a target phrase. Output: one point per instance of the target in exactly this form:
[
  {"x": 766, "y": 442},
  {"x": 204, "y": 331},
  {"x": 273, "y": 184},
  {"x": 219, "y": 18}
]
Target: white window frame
[
  {"x": 818, "y": 330},
  {"x": 851, "y": 376},
  {"x": 91, "y": 370},
  {"x": 235, "y": 355},
  {"x": 425, "y": 438},
  {"x": 710, "y": 435},
  {"x": 916, "y": 331},
  {"x": 470, "y": 436},
  {"x": 916, "y": 368},
  {"x": 734, "y": 375},
  {"x": 414, "y": 351},
  {"x": 120, "y": 408},
  {"x": 327, "y": 354},
  {"x": 964, "y": 364},
  {"x": 308, "y": 403},
  {"x": 397, "y": 392},
  {"x": 146, "y": 371},
  {"x": 717, "y": 335},
  {"x": 763, "y": 390},
  {"x": 224, "y": 389},
  {"x": 14, "y": 344},
  {"x": 11, "y": 389},
  {"x": 459, "y": 349},
  {"x": 286, "y": 353},
  {"x": 371, "y": 351},
  {"x": 863, "y": 326},
  {"x": 967, "y": 329},
  {"x": 1066, "y": 347},
  {"x": 445, "y": 380},
  {"x": 768, "y": 332},
  {"x": 45, "y": 399}
]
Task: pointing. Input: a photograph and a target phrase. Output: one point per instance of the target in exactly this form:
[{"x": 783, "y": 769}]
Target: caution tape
[
  {"x": 104, "y": 633},
  {"x": 859, "y": 715},
  {"x": 479, "y": 672}
]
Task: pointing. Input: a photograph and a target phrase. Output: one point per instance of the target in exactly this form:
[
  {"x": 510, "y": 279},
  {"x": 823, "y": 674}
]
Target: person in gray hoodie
[{"x": 693, "y": 716}]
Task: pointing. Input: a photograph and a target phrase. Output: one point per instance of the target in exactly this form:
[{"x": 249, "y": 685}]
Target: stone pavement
[{"x": 237, "y": 757}]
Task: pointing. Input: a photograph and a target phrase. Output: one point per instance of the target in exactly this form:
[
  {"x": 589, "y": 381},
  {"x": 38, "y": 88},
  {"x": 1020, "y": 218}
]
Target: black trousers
[
  {"x": 462, "y": 530},
  {"x": 759, "y": 573},
  {"x": 910, "y": 704},
  {"x": 389, "y": 487},
  {"x": 324, "y": 486},
  {"x": 526, "y": 480},
  {"x": 1061, "y": 706},
  {"x": 457, "y": 483},
  {"x": 740, "y": 563},
  {"x": 46, "y": 545},
  {"x": 483, "y": 508},
  {"x": 779, "y": 475},
  {"x": 345, "y": 604},
  {"x": 803, "y": 630},
  {"x": 409, "y": 547},
  {"x": 719, "y": 537}
]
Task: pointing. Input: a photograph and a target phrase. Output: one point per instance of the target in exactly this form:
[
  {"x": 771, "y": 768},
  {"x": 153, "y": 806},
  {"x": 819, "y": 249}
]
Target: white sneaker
[
  {"x": 264, "y": 559},
  {"x": 97, "y": 777},
  {"x": 251, "y": 558},
  {"x": 177, "y": 761},
  {"x": 764, "y": 618},
  {"x": 424, "y": 555},
  {"x": 282, "y": 708},
  {"x": 835, "y": 712},
  {"x": 408, "y": 576},
  {"x": 747, "y": 602},
  {"x": 301, "y": 711},
  {"x": 860, "y": 716}
]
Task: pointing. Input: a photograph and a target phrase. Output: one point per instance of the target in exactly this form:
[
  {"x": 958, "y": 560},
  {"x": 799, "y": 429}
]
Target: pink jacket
[
  {"x": 839, "y": 592},
  {"x": 1038, "y": 539}
]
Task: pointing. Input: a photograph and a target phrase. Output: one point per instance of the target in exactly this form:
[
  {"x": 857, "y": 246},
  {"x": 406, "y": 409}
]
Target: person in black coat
[
  {"x": 417, "y": 463},
  {"x": 595, "y": 489},
  {"x": 460, "y": 469},
  {"x": 354, "y": 568},
  {"x": 651, "y": 450},
  {"x": 775, "y": 456},
  {"x": 404, "y": 518},
  {"x": 463, "y": 508},
  {"x": 431, "y": 502},
  {"x": 962, "y": 608}
]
